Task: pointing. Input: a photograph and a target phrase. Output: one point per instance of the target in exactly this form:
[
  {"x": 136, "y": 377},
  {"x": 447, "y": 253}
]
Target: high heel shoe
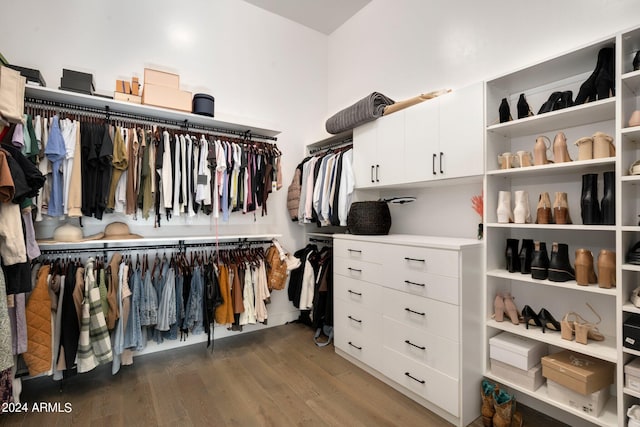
[
  {"x": 565, "y": 101},
  {"x": 589, "y": 89},
  {"x": 560, "y": 269},
  {"x": 636, "y": 61},
  {"x": 504, "y": 111},
  {"x": 560, "y": 152},
  {"x": 512, "y": 256},
  {"x": 585, "y": 273},
  {"x": 561, "y": 208},
  {"x": 587, "y": 330},
  {"x": 526, "y": 255},
  {"x": 543, "y": 210},
  {"x": 605, "y": 83},
  {"x": 530, "y": 317},
  {"x": 511, "y": 310},
  {"x": 634, "y": 120},
  {"x": 567, "y": 328},
  {"x": 524, "y": 158},
  {"x": 548, "y": 322},
  {"x": 523, "y": 107},
  {"x": 498, "y": 308},
  {"x": 540, "y": 151},
  {"x": 607, "y": 269},
  {"x": 550, "y": 104},
  {"x": 539, "y": 261},
  {"x": 521, "y": 209},
  {"x": 504, "y": 212},
  {"x": 603, "y": 146},
  {"x": 585, "y": 148},
  {"x": 506, "y": 160}
]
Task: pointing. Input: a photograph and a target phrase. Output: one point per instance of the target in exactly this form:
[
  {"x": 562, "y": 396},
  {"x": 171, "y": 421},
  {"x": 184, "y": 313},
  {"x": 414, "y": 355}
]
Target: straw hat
[
  {"x": 119, "y": 231},
  {"x": 69, "y": 233}
]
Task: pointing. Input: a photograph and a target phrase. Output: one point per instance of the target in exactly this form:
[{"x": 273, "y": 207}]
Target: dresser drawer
[
  {"x": 442, "y": 288},
  {"x": 430, "y": 384},
  {"x": 358, "y": 293},
  {"x": 358, "y": 270},
  {"x": 360, "y": 251},
  {"x": 357, "y": 332},
  {"x": 423, "y": 260},
  {"x": 436, "y": 317},
  {"x": 436, "y": 352}
]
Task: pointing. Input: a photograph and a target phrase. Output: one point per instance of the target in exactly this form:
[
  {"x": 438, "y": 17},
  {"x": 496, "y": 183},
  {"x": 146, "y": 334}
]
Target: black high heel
[
  {"x": 550, "y": 103},
  {"x": 530, "y": 317},
  {"x": 504, "y": 111},
  {"x": 636, "y": 61},
  {"x": 523, "y": 107},
  {"x": 588, "y": 90},
  {"x": 604, "y": 84},
  {"x": 548, "y": 322},
  {"x": 565, "y": 100}
]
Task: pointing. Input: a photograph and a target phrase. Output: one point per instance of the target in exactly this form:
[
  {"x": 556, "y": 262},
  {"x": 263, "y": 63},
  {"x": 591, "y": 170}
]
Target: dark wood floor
[{"x": 273, "y": 377}]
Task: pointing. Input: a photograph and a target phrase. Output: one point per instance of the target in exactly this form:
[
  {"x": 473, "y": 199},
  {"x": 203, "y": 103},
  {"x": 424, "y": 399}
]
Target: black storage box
[
  {"x": 203, "y": 104},
  {"x": 369, "y": 218},
  {"x": 77, "y": 81},
  {"x": 31, "y": 74},
  {"x": 631, "y": 332}
]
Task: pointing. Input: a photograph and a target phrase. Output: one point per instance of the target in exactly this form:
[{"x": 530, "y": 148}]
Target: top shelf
[
  {"x": 62, "y": 96},
  {"x": 632, "y": 81}
]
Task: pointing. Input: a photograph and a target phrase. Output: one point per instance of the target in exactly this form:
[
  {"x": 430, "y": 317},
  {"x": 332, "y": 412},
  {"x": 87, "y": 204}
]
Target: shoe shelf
[
  {"x": 629, "y": 307},
  {"x": 608, "y": 416},
  {"x": 632, "y": 81},
  {"x": 563, "y": 227},
  {"x": 630, "y": 351},
  {"x": 631, "y": 134},
  {"x": 570, "y": 285},
  {"x": 633, "y": 179},
  {"x": 631, "y": 392},
  {"x": 575, "y": 167},
  {"x": 630, "y": 267},
  {"x": 605, "y": 350}
]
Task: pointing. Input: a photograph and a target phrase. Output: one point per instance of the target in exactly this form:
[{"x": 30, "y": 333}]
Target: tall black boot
[
  {"x": 511, "y": 255},
  {"x": 589, "y": 89},
  {"x": 539, "y": 261},
  {"x": 589, "y": 206},
  {"x": 560, "y": 269},
  {"x": 608, "y": 203},
  {"x": 526, "y": 254}
]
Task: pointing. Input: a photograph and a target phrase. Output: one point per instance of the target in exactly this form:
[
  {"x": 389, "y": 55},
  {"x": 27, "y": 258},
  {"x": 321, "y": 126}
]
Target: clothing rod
[
  {"x": 332, "y": 145},
  {"x": 110, "y": 113}
]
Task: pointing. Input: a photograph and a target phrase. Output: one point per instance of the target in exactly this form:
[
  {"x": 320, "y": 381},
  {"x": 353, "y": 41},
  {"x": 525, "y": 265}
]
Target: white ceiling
[{"x": 321, "y": 15}]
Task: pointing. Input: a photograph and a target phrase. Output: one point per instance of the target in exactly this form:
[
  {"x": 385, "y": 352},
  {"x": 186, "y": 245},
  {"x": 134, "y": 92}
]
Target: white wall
[
  {"x": 405, "y": 47},
  {"x": 257, "y": 65}
]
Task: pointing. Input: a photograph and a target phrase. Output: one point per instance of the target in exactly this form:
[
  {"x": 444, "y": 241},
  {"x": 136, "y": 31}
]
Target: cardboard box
[
  {"x": 135, "y": 86},
  {"x": 578, "y": 372},
  {"x": 161, "y": 96},
  {"x": 127, "y": 97},
  {"x": 591, "y": 404},
  {"x": 123, "y": 86},
  {"x": 631, "y": 332},
  {"x": 632, "y": 374},
  {"x": 161, "y": 78},
  {"x": 520, "y": 352},
  {"x": 531, "y": 379}
]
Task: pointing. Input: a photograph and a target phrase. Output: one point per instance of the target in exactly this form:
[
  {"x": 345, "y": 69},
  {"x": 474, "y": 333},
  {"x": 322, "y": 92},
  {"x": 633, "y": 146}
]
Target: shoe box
[
  {"x": 578, "y": 372},
  {"x": 520, "y": 352},
  {"x": 531, "y": 379},
  {"x": 591, "y": 404},
  {"x": 32, "y": 75},
  {"x": 631, "y": 332},
  {"x": 76, "y": 81},
  {"x": 632, "y": 374},
  {"x": 162, "y": 89}
]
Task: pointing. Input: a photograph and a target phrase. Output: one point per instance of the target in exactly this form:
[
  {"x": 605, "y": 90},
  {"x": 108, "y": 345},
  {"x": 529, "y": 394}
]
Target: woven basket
[{"x": 369, "y": 218}]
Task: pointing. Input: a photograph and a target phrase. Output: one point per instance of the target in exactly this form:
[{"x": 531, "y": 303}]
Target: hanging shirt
[
  {"x": 167, "y": 178},
  {"x": 68, "y": 130},
  {"x": 56, "y": 153},
  {"x": 177, "y": 176},
  {"x": 347, "y": 182}
]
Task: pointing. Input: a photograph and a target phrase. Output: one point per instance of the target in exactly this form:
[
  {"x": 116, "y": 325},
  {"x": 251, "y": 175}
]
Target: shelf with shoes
[
  {"x": 570, "y": 285},
  {"x": 563, "y": 227},
  {"x": 558, "y": 169}
]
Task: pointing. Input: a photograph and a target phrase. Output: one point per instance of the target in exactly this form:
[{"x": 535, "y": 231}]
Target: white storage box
[
  {"x": 531, "y": 379},
  {"x": 520, "y": 352},
  {"x": 632, "y": 374},
  {"x": 590, "y": 404}
]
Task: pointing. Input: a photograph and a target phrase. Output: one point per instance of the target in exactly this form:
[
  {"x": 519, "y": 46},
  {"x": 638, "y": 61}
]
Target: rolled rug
[{"x": 367, "y": 109}]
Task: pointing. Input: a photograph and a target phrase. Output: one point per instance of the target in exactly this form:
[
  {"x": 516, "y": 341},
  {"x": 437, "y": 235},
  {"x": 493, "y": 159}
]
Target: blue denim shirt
[
  {"x": 133, "y": 332},
  {"x": 56, "y": 152},
  {"x": 193, "y": 308}
]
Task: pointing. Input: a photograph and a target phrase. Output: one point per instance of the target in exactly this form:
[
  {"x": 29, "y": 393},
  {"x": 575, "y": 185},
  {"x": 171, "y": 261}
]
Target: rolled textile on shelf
[{"x": 367, "y": 109}]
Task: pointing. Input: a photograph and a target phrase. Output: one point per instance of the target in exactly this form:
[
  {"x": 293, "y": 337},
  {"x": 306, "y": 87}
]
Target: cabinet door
[
  {"x": 462, "y": 132},
  {"x": 422, "y": 124},
  {"x": 389, "y": 167},
  {"x": 365, "y": 154}
]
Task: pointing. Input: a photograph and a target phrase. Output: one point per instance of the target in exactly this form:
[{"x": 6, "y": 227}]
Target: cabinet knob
[
  {"x": 354, "y": 269},
  {"x": 407, "y": 309},
  {"x": 441, "y": 154},
  {"x": 372, "y": 174},
  {"x": 354, "y": 250},
  {"x": 415, "y": 345},
  {"x": 412, "y": 377},
  {"x": 354, "y": 319},
  {"x": 433, "y": 164},
  {"x": 409, "y": 282},
  {"x": 355, "y": 293},
  {"x": 354, "y": 346},
  {"x": 414, "y": 259}
]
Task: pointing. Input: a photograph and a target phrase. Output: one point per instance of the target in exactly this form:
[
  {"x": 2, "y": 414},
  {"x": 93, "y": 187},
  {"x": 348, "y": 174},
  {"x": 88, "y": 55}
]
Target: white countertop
[{"x": 453, "y": 243}]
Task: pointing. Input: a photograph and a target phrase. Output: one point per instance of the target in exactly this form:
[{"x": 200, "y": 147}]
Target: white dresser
[{"x": 408, "y": 309}]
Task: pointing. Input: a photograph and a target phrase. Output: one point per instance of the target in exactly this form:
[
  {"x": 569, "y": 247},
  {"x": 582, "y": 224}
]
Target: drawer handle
[
  {"x": 412, "y": 377},
  {"x": 354, "y": 250},
  {"x": 415, "y": 345},
  {"x": 409, "y": 282},
  {"x": 414, "y": 312},
  {"x": 354, "y": 319},
  {"x": 354, "y": 346},
  {"x": 414, "y": 259},
  {"x": 354, "y": 269},
  {"x": 355, "y": 293}
]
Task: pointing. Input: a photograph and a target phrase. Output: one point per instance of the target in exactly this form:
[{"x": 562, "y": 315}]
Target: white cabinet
[
  {"x": 436, "y": 139},
  {"x": 422, "y": 341}
]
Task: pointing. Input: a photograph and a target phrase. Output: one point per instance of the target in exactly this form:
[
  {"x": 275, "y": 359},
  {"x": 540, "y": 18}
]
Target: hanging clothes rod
[
  {"x": 333, "y": 145},
  {"x": 109, "y": 113}
]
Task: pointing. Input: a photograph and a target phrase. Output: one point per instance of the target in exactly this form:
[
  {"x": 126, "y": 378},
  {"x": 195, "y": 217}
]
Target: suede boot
[{"x": 487, "y": 389}]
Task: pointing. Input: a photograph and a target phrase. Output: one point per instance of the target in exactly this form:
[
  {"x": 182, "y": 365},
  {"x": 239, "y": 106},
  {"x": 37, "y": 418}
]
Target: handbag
[
  {"x": 11, "y": 95},
  {"x": 276, "y": 269}
]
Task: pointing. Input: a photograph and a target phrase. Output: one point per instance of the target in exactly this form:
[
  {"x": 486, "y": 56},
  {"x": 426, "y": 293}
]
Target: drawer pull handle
[
  {"x": 414, "y": 312},
  {"x": 354, "y": 346},
  {"x": 354, "y": 269},
  {"x": 415, "y": 345},
  {"x": 409, "y": 282},
  {"x": 355, "y": 293},
  {"x": 354, "y": 250},
  {"x": 412, "y": 377},
  {"x": 354, "y": 319},
  {"x": 414, "y": 259}
]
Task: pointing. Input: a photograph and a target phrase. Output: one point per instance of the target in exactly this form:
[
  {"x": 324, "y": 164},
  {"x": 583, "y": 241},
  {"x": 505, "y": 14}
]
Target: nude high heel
[
  {"x": 561, "y": 209},
  {"x": 524, "y": 158},
  {"x": 560, "y": 152},
  {"x": 511, "y": 309},
  {"x": 587, "y": 330},
  {"x": 603, "y": 146},
  {"x": 540, "y": 151},
  {"x": 607, "y": 269},
  {"x": 634, "y": 120},
  {"x": 585, "y": 148},
  {"x": 498, "y": 308},
  {"x": 506, "y": 160}
]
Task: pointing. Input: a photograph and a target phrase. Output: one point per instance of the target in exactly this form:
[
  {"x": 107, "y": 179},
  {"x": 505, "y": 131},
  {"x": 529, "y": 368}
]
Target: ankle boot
[
  {"x": 603, "y": 146},
  {"x": 505, "y": 405},
  {"x": 608, "y": 203},
  {"x": 511, "y": 255},
  {"x": 487, "y": 389},
  {"x": 523, "y": 107},
  {"x": 588, "y": 90},
  {"x": 560, "y": 152},
  {"x": 585, "y": 274},
  {"x": 504, "y": 212},
  {"x": 526, "y": 255},
  {"x": 540, "y": 151},
  {"x": 605, "y": 83},
  {"x": 585, "y": 148},
  {"x": 607, "y": 269},
  {"x": 560, "y": 269},
  {"x": 504, "y": 111},
  {"x": 589, "y": 206},
  {"x": 543, "y": 210},
  {"x": 539, "y": 261},
  {"x": 522, "y": 211},
  {"x": 561, "y": 209}
]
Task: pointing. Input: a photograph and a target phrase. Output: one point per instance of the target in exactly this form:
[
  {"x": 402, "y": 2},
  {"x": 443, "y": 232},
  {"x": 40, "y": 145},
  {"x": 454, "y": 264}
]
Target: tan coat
[
  {"x": 75, "y": 189},
  {"x": 38, "y": 313}
]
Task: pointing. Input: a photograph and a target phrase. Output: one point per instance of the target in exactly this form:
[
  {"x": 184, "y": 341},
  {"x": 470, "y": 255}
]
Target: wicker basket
[{"x": 369, "y": 218}]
